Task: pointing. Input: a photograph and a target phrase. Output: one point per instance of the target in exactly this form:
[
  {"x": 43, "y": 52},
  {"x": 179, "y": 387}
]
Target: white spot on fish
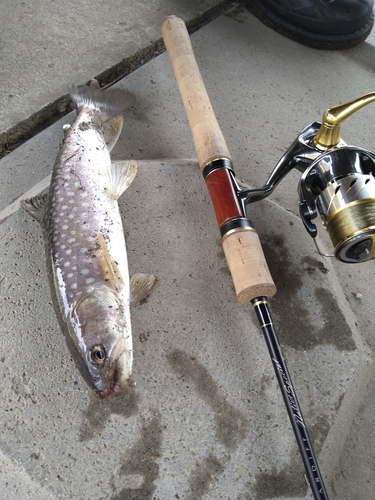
[
  {"x": 85, "y": 271},
  {"x": 71, "y": 240},
  {"x": 66, "y": 264},
  {"x": 74, "y": 286},
  {"x": 83, "y": 194},
  {"x": 70, "y": 275},
  {"x": 69, "y": 251},
  {"x": 90, "y": 280},
  {"x": 65, "y": 226},
  {"x": 64, "y": 207}
]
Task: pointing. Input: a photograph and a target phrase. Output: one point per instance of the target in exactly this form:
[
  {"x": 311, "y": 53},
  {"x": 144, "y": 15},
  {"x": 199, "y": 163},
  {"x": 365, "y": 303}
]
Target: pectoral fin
[
  {"x": 110, "y": 268},
  {"x": 119, "y": 177},
  {"x": 141, "y": 285},
  {"x": 35, "y": 206}
]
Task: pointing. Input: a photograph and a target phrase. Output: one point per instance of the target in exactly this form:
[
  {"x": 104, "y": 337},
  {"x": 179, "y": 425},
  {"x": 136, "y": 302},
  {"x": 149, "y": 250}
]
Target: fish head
[{"x": 102, "y": 331}]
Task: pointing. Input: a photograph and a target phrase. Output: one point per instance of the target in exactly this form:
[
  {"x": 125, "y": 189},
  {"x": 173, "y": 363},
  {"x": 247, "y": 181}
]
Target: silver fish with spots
[{"x": 84, "y": 240}]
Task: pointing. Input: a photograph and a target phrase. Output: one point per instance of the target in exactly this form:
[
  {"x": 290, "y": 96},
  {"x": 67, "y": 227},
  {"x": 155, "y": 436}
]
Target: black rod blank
[{"x": 291, "y": 402}]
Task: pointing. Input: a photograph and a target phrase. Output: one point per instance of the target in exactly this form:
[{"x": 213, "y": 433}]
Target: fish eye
[{"x": 98, "y": 354}]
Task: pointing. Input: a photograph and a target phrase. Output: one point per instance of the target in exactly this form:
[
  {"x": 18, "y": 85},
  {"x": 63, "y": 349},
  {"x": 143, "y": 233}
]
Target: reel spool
[{"x": 341, "y": 185}]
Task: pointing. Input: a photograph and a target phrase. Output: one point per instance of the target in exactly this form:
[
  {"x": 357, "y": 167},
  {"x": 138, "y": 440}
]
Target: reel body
[{"x": 337, "y": 183}]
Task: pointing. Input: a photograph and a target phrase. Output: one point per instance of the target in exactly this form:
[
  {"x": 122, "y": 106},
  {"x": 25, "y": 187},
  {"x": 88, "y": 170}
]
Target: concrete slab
[
  {"x": 205, "y": 419},
  {"x": 206, "y": 401}
]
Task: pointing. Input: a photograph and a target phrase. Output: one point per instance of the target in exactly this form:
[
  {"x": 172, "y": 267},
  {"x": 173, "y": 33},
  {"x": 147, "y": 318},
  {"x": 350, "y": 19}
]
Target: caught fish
[{"x": 84, "y": 240}]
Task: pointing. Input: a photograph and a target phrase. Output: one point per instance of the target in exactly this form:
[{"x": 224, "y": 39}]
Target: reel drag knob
[{"x": 360, "y": 251}]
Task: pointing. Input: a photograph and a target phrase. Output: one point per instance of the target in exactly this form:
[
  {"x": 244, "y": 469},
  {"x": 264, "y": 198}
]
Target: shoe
[{"x": 322, "y": 24}]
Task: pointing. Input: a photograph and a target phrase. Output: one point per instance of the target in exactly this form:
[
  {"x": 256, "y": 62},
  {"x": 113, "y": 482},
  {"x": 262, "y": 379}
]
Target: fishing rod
[{"x": 252, "y": 279}]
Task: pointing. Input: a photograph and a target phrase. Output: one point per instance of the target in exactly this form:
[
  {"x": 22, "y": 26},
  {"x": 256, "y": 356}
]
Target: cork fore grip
[
  {"x": 241, "y": 246},
  {"x": 248, "y": 267},
  {"x": 207, "y": 136}
]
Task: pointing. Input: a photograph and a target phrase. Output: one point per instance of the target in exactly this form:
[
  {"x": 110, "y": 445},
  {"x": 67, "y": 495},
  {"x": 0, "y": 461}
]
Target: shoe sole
[{"x": 316, "y": 41}]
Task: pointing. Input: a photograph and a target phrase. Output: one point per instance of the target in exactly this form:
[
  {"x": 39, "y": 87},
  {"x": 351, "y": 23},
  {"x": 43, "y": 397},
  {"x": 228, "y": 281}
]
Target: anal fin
[
  {"x": 35, "y": 206},
  {"x": 141, "y": 285}
]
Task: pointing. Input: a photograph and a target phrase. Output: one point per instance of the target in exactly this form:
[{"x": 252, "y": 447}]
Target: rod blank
[{"x": 290, "y": 399}]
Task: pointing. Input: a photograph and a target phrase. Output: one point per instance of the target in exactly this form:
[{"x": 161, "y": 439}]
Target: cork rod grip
[
  {"x": 208, "y": 139},
  {"x": 248, "y": 266},
  {"x": 242, "y": 248}
]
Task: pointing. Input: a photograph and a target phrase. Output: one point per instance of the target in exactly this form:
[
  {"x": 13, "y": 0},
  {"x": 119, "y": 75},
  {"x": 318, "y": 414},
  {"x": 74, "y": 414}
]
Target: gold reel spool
[{"x": 347, "y": 208}]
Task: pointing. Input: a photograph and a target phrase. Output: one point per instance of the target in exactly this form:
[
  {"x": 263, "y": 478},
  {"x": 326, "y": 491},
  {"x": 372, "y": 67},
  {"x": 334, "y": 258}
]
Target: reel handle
[
  {"x": 328, "y": 135},
  {"x": 241, "y": 243}
]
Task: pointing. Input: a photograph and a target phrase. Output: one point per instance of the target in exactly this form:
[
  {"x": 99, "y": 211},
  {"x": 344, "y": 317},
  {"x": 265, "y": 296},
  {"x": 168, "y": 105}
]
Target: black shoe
[{"x": 322, "y": 24}]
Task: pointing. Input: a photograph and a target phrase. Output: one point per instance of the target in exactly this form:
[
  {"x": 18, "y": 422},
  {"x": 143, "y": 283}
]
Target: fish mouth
[
  {"x": 121, "y": 372},
  {"x": 103, "y": 394},
  {"x": 118, "y": 383}
]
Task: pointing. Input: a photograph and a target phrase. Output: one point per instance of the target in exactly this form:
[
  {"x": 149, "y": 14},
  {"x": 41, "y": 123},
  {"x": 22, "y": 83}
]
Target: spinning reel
[{"x": 337, "y": 182}]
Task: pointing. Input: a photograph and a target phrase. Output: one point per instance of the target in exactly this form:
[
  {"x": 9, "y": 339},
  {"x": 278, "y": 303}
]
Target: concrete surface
[
  {"x": 205, "y": 419},
  {"x": 45, "y": 44}
]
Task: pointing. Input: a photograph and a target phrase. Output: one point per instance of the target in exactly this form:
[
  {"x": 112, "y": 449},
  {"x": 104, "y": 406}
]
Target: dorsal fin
[{"x": 110, "y": 268}]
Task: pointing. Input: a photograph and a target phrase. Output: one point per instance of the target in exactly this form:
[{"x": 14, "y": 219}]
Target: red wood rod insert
[{"x": 224, "y": 197}]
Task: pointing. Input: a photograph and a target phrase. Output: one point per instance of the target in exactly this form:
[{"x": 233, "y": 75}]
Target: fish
[{"x": 84, "y": 241}]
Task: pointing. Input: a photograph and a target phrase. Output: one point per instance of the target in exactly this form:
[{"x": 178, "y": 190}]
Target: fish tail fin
[{"x": 110, "y": 103}]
